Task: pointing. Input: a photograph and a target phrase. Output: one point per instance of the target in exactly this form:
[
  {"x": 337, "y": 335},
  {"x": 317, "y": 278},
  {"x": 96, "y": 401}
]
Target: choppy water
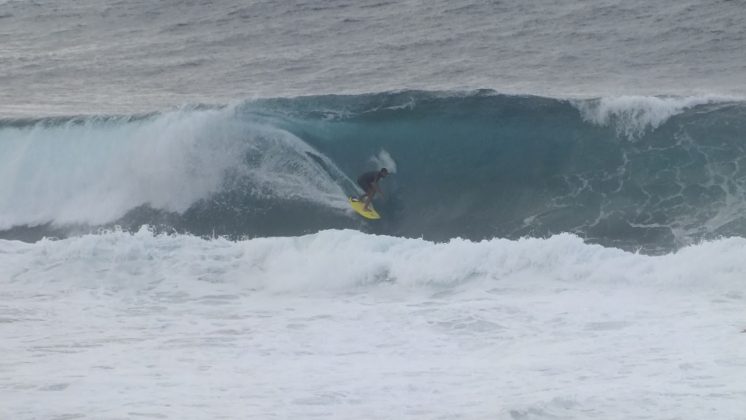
[{"x": 70, "y": 57}]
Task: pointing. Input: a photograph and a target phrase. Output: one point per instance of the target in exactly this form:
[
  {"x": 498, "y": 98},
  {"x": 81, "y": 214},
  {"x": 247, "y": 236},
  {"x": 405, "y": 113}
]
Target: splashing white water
[
  {"x": 632, "y": 116},
  {"x": 384, "y": 160},
  {"x": 345, "y": 325},
  {"x": 95, "y": 170},
  {"x": 312, "y": 262}
]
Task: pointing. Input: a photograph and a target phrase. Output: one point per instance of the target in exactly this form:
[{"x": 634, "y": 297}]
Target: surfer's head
[{"x": 383, "y": 172}]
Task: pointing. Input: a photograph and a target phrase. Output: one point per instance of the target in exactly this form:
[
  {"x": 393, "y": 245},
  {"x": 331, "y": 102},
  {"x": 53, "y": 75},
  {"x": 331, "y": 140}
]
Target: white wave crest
[
  {"x": 344, "y": 259},
  {"x": 361, "y": 326},
  {"x": 94, "y": 171},
  {"x": 632, "y": 116}
]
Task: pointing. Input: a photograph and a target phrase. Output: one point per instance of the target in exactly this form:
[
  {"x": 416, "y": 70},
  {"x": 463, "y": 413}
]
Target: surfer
[{"x": 369, "y": 183}]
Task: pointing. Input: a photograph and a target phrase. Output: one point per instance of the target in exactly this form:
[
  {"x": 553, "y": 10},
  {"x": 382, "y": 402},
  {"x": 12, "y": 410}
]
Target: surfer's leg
[
  {"x": 369, "y": 197},
  {"x": 365, "y": 188}
]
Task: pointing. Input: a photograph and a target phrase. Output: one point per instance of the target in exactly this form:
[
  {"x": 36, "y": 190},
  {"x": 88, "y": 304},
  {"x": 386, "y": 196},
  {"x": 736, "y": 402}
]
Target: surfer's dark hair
[{"x": 384, "y": 171}]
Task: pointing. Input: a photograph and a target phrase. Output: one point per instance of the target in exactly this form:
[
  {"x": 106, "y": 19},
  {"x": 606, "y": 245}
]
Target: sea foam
[{"x": 348, "y": 260}]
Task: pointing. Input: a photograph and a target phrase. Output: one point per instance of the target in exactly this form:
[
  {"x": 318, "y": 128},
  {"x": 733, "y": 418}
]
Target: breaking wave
[{"x": 651, "y": 173}]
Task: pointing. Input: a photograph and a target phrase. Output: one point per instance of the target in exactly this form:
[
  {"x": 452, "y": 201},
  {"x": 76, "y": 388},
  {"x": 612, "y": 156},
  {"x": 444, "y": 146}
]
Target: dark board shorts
[{"x": 366, "y": 186}]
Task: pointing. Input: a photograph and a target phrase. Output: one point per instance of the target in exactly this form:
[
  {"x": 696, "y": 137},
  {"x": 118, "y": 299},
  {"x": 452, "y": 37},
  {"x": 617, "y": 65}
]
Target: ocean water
[
  {"x": 69, "y": 57},
  {"x": 563, "y": 232}
]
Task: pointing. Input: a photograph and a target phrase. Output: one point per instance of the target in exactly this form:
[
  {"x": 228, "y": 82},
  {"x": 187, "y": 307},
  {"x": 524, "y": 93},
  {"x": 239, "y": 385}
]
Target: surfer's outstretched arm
[{"x": 378, "y": 189}]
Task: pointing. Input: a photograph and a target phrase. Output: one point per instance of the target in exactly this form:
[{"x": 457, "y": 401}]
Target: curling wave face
[{"x": 654, "y": 173}]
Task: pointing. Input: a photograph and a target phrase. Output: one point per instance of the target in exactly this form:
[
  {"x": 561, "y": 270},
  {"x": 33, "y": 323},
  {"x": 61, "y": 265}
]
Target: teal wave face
[
  {"x": 654, "y": 173},
  {"x": 636, "y": 172}
]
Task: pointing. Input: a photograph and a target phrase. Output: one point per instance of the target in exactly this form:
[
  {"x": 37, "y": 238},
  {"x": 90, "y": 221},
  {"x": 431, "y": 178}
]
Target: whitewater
[
  {"x": 562, "y": 237},
  {"x": 341, "y": 324}
]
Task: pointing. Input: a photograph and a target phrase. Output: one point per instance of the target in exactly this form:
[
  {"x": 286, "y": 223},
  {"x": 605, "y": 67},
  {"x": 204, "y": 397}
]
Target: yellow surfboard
[{"x": 358, "y": 207}]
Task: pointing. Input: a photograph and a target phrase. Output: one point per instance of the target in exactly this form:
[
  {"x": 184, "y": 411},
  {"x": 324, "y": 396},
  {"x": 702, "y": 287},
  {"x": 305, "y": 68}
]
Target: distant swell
[{"x": 636, "y": 172}]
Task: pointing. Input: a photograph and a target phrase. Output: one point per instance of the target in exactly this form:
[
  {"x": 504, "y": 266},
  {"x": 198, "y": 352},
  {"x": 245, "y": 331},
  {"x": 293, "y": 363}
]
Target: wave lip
[{"x": 633, "y": 116}]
